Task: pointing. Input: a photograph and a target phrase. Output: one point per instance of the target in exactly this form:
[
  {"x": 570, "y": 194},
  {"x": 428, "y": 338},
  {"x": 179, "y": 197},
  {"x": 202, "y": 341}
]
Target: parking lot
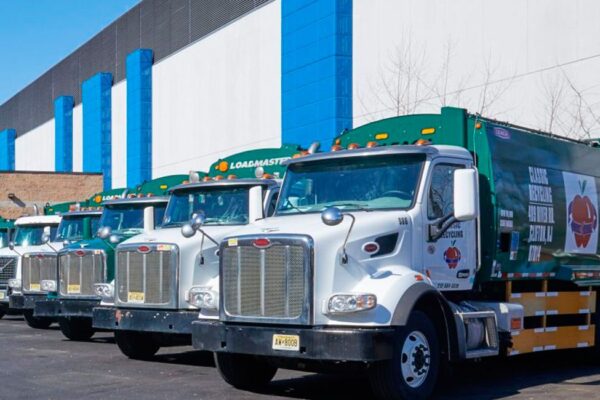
[{"x": 43, "y": 365}]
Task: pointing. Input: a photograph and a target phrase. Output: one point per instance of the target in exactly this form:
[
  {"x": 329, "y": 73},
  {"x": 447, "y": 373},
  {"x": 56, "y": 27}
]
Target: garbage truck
[
  {"x": 6, "y": 228},
  {"x": 159, "y": 274},
  {"x": 417, "y": 242},
  {"x": 29, "y": 237},
  {"x": 72, "y": 292}
]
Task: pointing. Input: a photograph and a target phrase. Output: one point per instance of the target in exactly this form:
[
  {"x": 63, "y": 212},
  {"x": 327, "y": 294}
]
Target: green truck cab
[
  {"x": 83, "y": 265},
  {"x": 6, "y": 228}
]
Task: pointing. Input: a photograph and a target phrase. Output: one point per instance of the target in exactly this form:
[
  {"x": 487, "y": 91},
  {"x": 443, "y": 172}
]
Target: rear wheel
[
  {"x": 76, "y": 328},
  {"x": 244, "y": 371},
  {"x": 36, "y": 322},
  {"x": 136, "y": 345},
  {"x": 412, "y": 373},
  {"x": 2, "y": 313}
]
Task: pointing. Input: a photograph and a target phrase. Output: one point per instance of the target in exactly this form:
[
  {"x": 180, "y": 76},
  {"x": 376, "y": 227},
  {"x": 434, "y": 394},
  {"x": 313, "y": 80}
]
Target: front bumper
[
  {"x": 25, "y": 301},
  {"x": 65, "y": 308},
  {"x": 4, "y": 297},
  {"x": 316, "y": 343},
  {"x": 157, "y": 321}
]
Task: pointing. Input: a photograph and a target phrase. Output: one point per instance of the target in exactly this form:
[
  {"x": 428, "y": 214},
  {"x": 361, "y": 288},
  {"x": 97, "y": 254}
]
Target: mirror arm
[
  {"x": 437, "y": 229},
  {"x": 52, "y": 247},
  {"x": 344, "y": 254},
  {"x": 208, "y": 236}
]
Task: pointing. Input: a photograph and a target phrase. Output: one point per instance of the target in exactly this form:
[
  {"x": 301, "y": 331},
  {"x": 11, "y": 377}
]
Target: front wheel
[
  {"x": 243, "y": 371},
  {"x": 136, "y": 345},
  {"x": 76, "y": 328},
  {"x": 36, "y": 322},
  {"x": 412, "y": 373}
]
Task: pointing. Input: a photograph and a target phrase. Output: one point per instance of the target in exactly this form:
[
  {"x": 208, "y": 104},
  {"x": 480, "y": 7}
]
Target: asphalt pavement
[{"x": 42, "y": 364}]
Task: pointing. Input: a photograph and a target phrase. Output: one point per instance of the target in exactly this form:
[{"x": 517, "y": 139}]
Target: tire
[
  {"x": 136, "y": 345},
  {"x": 36, "y": 322},
  {"x": 2, "y": 313},
  {"x": 78, "y": 329},
  {"x": 243, "y": 371},
  {"x": 417, "y": 342}
]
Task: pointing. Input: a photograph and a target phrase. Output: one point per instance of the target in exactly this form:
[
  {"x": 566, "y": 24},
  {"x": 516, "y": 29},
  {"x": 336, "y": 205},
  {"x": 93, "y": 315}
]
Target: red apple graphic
[
  {"x": 452, "y": 256},
  {"x": 583, "y": 218}
]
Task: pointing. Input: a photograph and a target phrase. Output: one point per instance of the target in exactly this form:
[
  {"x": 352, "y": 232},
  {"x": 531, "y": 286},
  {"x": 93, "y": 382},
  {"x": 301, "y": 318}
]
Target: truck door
[{"x": 450, "y": 261}]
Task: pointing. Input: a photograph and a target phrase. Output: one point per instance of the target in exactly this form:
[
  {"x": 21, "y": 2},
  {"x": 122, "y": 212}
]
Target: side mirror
[
  {"x": 198, "y": 219},
  {"x": 11, "y": 245},
  {"x": 332, "y": 216},
  {"x": 114, "y": 239},
  {"x": 104, "y": 232},
  {"x": 187, "y": 230},
  {"x": 466, "y": 198},
  {"x": 45, "y": 238}
]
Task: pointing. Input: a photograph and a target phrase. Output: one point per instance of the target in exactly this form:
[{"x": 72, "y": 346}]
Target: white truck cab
[{"x": 34, "y": 235}]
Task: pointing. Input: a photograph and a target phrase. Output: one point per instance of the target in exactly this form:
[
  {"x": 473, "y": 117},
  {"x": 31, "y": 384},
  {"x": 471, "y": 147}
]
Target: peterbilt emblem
[
  {"x": 143, "y": 249},
  {"x": 80, "y": 253}
]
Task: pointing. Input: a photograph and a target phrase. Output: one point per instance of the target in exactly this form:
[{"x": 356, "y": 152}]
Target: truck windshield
[
  {"x": 354, "y": 183},
  {"x": 71, "y": 227},
  {"x": 31, "y": 235},
  {"x": 222, "y": 206},
  {"x": 4, "y": 239},
  {"x": 129, "y": 218}
]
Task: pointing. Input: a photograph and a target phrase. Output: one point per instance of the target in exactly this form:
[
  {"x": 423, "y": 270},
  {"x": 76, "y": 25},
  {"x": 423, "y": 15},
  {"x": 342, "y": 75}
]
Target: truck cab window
[{"x": 441, "y": 195}]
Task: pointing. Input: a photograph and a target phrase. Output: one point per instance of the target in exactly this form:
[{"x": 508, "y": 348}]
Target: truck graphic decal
[
  {"x": 582, "y": 216},
  {"x": 452, "y": 256}
]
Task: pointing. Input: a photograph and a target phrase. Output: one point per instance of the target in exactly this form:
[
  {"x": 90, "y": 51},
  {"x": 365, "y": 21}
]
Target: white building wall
[
  {"x": 77, "y": 138},
  {"x": 119, "y": 134},
  {"x": 35, "y": 150},
  {"x": 515, "y": 54},
  {"x": 218, "y": 96}
]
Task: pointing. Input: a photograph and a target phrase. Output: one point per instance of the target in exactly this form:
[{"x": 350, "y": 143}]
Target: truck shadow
[{"x": 484, "y": 380}]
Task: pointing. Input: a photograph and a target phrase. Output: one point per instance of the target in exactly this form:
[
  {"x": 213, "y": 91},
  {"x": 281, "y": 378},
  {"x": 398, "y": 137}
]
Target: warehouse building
[{"x": 172, "y": 85}]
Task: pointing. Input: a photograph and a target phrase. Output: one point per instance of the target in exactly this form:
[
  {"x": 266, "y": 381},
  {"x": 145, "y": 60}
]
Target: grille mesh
[
  {"x": 145, "y": 278},
  {"x": 265, "y": 283},
  {"x": 8, "y": 266},
  {"x": 78, "y": 274},
  {"x": 35, "y": 269}
]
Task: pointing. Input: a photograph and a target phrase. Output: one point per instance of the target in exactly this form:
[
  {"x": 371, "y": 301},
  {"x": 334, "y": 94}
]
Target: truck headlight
[
  {"x": 348, "y": 303},
  {"x": 104, "y": 290},
  {"x": 14, "y": 284},
  {"x": 202, "y": 297},
  {"x": 48, "y": 285}
]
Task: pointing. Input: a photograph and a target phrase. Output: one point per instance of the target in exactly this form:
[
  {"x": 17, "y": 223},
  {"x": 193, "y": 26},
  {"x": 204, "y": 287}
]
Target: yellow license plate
[
  {"x": 2, "y": 295},
  {"x": 74, "y": 289},
  {"x": 34, "y": 286},
  {"x": 135, "y": 297},
  {"x": 286, "y": 342}
]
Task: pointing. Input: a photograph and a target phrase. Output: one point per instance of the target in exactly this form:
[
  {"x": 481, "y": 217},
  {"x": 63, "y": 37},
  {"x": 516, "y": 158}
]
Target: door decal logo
[
  {"x": 582, "y": 215},
  {"x": 452, "y": 255}
]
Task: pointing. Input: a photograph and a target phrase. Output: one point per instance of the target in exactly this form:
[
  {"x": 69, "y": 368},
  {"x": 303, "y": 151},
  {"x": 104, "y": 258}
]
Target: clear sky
[{"x": 36, "y": 34}]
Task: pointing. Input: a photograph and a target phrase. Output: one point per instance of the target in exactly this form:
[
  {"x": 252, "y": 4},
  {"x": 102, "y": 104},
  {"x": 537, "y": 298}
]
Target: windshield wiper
[
  {"x": 357, "y": 206},
  {"x": 289, "y": 203}
]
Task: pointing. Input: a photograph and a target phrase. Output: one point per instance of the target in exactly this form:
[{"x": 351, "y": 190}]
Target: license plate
[
  {"x": 73, "y": 288},
  {"x": 34, "y": 286},
  {"x": 286, "y": 342},
  {"x": 2, "y": 294},
  {"x": 135, "y": 297}
]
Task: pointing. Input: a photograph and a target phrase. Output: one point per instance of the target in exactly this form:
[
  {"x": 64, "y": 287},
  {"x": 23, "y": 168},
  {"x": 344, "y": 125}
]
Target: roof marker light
[
  {"x": 206, "y": 179},
  {"x": 219, "y": 178},
  {"x": 336, "y": 147},
  {"x": 371, "y": 144},
  {"x": 353, "y": 146},
  {"x": 422, "y": 142},
  {"x": 338, "y": 141},
  {"x": 231, "y": 176}
]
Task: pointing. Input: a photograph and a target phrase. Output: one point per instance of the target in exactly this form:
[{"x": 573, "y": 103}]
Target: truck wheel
[
  {"x": 243, "y": 371},
  {"x": 2, "y": 313},
  {"x": 76, "y": 328},
  {"x": 36, "y": 322},
  {"x": 136, "y": 345},
  {"x": 413, "y": 371}
]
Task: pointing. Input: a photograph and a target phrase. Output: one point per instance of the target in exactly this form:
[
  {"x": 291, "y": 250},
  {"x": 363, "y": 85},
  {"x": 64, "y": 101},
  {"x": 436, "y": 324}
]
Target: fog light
[
  {"x": 14, "y": 284},
  {"x": 348, "y": 303},
  {"x": 48, "y": 285},
  {"x": 104, "y": 290},
  {"x": 203, "y": 297}
]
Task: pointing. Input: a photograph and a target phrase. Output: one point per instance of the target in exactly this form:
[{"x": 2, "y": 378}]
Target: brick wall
[{"x": 40, "y": 188}]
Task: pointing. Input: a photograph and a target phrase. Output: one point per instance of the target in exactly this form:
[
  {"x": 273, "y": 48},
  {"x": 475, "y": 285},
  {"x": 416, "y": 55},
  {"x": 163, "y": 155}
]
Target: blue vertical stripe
[
  {"x": 63, "y": 134},
  {"x": 96, "y": 99},
  {"x": 7, "y": 149},
  {"x": 139, "y": 116},
  {"x": 316, "y": 70}
]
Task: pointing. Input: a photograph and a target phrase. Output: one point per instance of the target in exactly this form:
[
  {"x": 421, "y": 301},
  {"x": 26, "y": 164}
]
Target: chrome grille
[
  {"x": 267, "y": 283},
  {"x": 35, "y": 268},
  {"x": 8, "y": 267},
  {"x": 147, "y": 278},
  {"x": 79, "y": 270}
]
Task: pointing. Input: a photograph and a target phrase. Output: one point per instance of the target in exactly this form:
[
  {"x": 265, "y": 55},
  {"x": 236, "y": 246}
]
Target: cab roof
[
  {"x": 82, "y": 213},
  {"x": 38, "y": 219},
  {"x": 137, "y": 200},
  {"x": 227, "y": 183}
]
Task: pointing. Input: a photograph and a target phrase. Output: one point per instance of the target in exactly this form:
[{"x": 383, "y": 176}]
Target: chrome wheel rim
[{"x": 415, "y": 359}]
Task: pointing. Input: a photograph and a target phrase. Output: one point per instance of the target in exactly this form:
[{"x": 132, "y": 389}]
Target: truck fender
[{"x": 422, "y": 291}]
